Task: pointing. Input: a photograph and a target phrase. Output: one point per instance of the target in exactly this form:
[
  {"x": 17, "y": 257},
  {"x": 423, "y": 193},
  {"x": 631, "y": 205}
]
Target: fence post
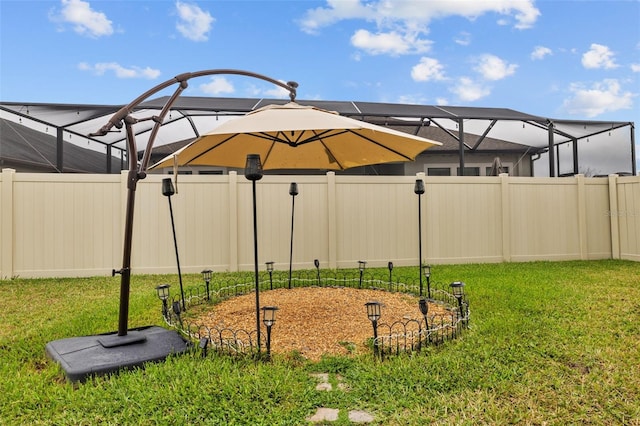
[
  {"x": 233, "y": 221},
  {"x": 506, "y": 217},
  {"x": 582, "y": 218},
  {"x": 613, "y": 216},
  {"x": 331, "y": 216},
  {"x": 6, "y": 224}
]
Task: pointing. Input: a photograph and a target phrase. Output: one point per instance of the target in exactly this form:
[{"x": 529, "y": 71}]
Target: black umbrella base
[{"x": 83, "y": 357}]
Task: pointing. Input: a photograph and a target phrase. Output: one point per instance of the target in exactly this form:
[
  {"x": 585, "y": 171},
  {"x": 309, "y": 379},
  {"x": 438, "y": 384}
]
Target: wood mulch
[{"x": 315, "y": 321}]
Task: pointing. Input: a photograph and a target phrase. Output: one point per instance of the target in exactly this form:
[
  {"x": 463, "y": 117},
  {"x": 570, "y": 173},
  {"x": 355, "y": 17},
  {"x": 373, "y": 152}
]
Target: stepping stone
[
  {"x": 357, "y": 416},
  {"x": 323, "y": 377},
  {"x": 324, "y": 414},
  {"x": 324, "y": 387}
]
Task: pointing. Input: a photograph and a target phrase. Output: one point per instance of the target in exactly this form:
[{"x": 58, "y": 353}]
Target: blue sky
[{"x": 560, "y": 59}]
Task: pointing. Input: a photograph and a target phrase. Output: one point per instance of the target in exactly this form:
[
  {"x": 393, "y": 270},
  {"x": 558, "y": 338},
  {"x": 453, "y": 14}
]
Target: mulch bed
[{"x": 315, "y": 321}]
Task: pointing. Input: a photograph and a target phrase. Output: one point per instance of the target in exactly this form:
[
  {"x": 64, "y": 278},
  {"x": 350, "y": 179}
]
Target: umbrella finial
[{"x": 292, "y": 90}]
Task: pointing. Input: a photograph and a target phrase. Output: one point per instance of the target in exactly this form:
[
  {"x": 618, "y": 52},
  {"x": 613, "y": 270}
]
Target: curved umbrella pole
[{"x": 138, "y": 170}]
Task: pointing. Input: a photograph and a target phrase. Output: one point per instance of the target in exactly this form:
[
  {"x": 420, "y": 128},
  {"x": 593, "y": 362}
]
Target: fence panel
[
  {"x": 544, "y": 215},
  {"x": 598, "y": 221},
  {"x": 628, "y": 215},
  {"x": 66, "y": 225},
  {"x": 463, "y": 219}
]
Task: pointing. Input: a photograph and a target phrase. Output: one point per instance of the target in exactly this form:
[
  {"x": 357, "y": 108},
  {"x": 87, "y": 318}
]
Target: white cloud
[
  {"x": 216, "y": 86},
  {"x": 194, "y": 23},
  {"x": 493, "y": 68},
  {"x": 468, "y": 90},
  {"x": 599, "y": 56},
  {"x": 635, "y": 67},
  {"x": 271, "y": 91},
  {"x": 338, "y": 10},
  {"x": 463, "y": 39},
  {"x": 601, "y": 97},
  {"x": 401, "y": 25},
  {"x": 392, "y": 43},
  {"x": 415, "y": 13},
  {"x": 539, "y": 52},
  {"x": 413, "y": 99},
  {"x": 85, "y": 21},
  {"x": 121, "y": 72},
  {"x": 429, "y": 69},
  {"x": 277, "y": 92}
]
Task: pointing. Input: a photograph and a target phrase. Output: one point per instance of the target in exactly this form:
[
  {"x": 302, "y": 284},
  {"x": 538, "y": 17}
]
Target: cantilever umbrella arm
[{"x": 138, "y": 171}]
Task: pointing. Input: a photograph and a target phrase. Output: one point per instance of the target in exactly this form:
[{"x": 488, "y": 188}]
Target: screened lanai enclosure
[{"x": 471, "y": 136}]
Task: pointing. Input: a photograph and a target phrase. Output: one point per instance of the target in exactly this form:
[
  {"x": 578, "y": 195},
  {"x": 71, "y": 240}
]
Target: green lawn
[{"x": 549, "y": 343}]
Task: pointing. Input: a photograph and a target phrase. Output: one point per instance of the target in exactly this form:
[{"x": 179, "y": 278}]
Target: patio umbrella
[{"x": 294, "y": 136}]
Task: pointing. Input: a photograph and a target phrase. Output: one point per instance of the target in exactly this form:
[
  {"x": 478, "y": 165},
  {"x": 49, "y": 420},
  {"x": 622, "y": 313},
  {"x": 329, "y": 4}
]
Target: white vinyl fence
[{"x": 68, "y": 225}]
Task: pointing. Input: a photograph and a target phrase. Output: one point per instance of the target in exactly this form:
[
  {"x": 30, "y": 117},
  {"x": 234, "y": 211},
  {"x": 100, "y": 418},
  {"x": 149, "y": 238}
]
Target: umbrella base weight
[{"x": 86, "y": 356}]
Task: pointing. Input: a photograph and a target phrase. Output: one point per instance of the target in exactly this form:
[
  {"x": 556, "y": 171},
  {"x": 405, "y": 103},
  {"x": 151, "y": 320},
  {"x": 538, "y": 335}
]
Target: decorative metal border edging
[{"x": 402, "y": 336}]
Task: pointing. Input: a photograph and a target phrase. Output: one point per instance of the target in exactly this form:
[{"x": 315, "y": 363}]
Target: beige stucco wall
[{"x": 72, "y": 225}]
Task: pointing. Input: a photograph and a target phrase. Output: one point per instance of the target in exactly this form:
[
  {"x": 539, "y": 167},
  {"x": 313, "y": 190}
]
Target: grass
[{"x": 550, "y": 343}]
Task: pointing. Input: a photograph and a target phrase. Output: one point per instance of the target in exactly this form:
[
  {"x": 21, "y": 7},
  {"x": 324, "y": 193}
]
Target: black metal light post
[
  {"x": 293, "y": 191},
  {"x": 269, "y": 318},
  {"x": 390, "y": 266},
  {"x": 163, "y": 294},
  {"x": 168, "y": 190},
  {"x": 270, "y": 271},
  {"x": 426, "y": 269},
  {"x": 361, "y": 266},
  {"x": 253, "y": 172},
  {"x": 316, "y": 263},
  {"x": 373, "y": 313},
  {"x": 419, "y": 189},
  {"x": 206, "y": 276},
  {"x": 457, "y": 287}
]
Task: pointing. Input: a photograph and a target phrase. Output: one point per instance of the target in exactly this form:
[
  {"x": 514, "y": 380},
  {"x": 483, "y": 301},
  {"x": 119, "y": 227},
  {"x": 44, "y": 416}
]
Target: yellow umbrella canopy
[{"x": 294, "y": 136}]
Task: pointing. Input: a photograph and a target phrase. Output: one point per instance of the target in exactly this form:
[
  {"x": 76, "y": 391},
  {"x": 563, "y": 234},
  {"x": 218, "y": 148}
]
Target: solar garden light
[
  {"x": 316, "y": 263},
  {"x": 373, "y": 313},
  {"x": 168, "y": 190},
  {"x": 419, "y": 190},
  {"x": 177, "y": 311},
  {"x": 163, "y": 294},
  {"x": 269, "y": 318},
  {"x": 457, "y": 287},
  {"x": 426, "y": 271},
  {"x": 390, "y": 266},
  {"x": 206, "y": 276},
  {"x": 270, "y": 271},
  {"x": 204, "y": 342},
  {"x": 361, "y": 265},
  {"x": 293, "y": 191},
  {"x": 253, "y": 172}
]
